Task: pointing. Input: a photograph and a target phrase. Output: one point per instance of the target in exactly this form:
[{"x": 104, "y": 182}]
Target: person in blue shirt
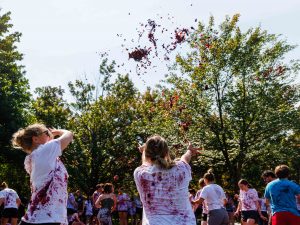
[{"x": 281, "y": 193}]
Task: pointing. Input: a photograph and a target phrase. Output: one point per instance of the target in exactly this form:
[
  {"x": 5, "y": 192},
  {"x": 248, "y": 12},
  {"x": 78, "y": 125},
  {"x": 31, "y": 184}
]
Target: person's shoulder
[
  {"x": 12, "y": 191},
  {"x": 141, "y": 168},
  {"x": 272, "y": 183},
  {"x": 206, "y": 187},
  {"x": 253, "y": 190},
  {"x": 182, "y": 165}
]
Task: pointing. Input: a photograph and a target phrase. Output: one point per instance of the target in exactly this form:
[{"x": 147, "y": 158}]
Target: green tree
[
  {"x": 103, "y": 140},
  {"x": 238, "y": 89},
  {"x": 14, "y": 102},
  {"x": 50, "y": 108}
]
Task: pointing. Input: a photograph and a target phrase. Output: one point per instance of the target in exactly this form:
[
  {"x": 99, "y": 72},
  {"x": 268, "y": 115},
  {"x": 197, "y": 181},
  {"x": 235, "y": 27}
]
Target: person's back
[
  {"x": 281, "y": 195},
  {"x": 10, "y": 197},
  {"x": 164, "y": 193},
  {"x": 163, "y": 184},
  {"x": 105, "y": 211}
]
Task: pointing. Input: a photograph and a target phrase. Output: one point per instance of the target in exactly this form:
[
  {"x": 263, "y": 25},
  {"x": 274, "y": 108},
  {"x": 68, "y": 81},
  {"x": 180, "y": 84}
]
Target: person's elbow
[
  {"x": 18, "y": 201},
  {"x": 66, "y": 139}
]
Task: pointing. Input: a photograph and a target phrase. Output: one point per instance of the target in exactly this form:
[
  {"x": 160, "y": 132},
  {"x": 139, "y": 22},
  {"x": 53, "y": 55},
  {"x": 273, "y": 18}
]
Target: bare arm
[
  {"x": 191, "y": 151},
  {"x": 18, "y": 201},
  {"x": 198, "y": 201},
  {"x": 97, "y": 203},
  {"x": 115, "y": 203},
  {"x": 225, "y": 201},
  {"x": 142, "y": 150},
  {"x": 65, "y": 137},
  {"x": 259, "y": 211},
  {"x": 1, "y": 201},
  {"x": 238, "y": 209}
]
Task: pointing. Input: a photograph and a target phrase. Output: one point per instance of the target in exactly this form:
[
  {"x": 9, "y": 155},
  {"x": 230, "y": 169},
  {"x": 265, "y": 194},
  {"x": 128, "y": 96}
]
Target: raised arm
[
  {"x": 65, "y": 137},
  {"x": 97, "y": 203},
  {"x": 142, "y": 150},
  {"x": 191, "y": 151}
]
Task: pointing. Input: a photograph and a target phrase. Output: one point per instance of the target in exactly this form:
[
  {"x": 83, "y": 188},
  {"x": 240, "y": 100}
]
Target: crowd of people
[{"x": 163, "y": 198}]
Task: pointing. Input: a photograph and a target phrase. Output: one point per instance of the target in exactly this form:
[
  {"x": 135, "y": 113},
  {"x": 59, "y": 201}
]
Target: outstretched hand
[
  {"x": 194, "y": 150},
  {"x": 141, "y": 148}
]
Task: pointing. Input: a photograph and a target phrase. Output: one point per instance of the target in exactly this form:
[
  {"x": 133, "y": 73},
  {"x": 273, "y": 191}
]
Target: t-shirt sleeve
[
  {"x": 223, "y": 194},
  {"x": 203, "y": 193},
  {"x": 51, "y": 150},
  {"x": 296, "y": 189},
  {"x": 137, "y": 178},
  {"x": 267, "y": 193},
  {"x": 255, "y": 195},
  {"x": 16, "y": 195},
  {"x": 1, "y": 194},
  {"x": 186, "y": 167}
]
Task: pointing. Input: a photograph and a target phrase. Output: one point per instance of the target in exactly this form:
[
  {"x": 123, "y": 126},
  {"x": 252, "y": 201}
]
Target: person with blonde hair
[
  {"x": 163, "y": 184},
  {"x": 48, "y": 175},
  {"x": 11, "y": 201}
]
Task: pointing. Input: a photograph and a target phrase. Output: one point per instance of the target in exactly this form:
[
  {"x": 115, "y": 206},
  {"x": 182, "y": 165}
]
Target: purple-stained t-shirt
[
  {"x": 48, "y": 179},
  {"x": 122, "y": 202},
  {"x": 10, "y": 197},
  {"x": 165, "y": 195},
  {"x": 248, "y": 199}
]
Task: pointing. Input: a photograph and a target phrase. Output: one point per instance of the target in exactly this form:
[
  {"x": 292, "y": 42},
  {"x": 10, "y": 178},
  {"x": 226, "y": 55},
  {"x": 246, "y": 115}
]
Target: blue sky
[{"x": 61, "y": 39}]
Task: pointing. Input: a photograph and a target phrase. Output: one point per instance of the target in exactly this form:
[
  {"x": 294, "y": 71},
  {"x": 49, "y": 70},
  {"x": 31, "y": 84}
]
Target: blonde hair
[
  {"x": 23, "y": 137},
  {"x": 201, "y": 182},
  {"x": 157, "y": 151},
  {"x": 4, "y": 185}
]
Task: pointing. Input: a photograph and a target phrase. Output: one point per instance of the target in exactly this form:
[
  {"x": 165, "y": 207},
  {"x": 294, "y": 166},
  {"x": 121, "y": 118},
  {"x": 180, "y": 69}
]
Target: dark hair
[
  {"x": 23, "y": 137},
  {"x": 157, "y": 151},
  {"x": 99, "y": 186},
  {"x": 3, "y": 185},
  {"x": 108, "y": 188},
  {"x": 192, "y": 191},
  {"x": 209, "y": 175},
  {"x": 268, "y": 173},
  {"x": 282, "y": 171},
  {"x": 245, "y": 182}
]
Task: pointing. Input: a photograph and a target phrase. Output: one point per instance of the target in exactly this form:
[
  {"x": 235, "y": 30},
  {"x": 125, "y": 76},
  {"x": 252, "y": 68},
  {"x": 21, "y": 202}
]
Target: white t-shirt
[
  {"x": 214, "y": 196},
  {"x": 248, "y": 199},
  {"x": 165, "y": 195},
  {"x": 48, "y": 178},
  {"x": 10, "y": 196}
]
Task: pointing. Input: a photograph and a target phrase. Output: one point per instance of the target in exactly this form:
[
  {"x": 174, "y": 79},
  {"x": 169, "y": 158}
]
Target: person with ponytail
[
  {"x": 11, "y": 201},
  {"x": 48, "y": 175},
  {"x": 248, "y": 204},
  {"x": 214, "y": 197},
  {"x": 163, "y": 184}
]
